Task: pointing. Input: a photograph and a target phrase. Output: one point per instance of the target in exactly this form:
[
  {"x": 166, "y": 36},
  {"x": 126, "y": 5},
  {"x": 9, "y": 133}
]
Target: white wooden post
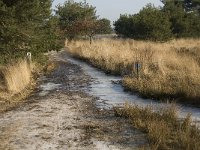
[{"x": 28, "y": 56}]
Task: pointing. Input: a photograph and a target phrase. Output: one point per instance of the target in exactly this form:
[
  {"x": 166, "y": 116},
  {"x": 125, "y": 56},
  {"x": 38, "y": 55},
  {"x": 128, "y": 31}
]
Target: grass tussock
[
  {"x": 167, "y": 70},
  {"x": 163, "y": 128},
  {"x": 14, "y": 81},
  {"x": 17, "y": 76}
]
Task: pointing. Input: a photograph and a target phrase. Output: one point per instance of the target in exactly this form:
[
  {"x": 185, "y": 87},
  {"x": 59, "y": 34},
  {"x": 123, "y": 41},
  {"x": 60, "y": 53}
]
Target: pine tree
[
  {"x": 76, "y": 18},
  {"x": 25, "y": 26},
  {"x": 184, "y": 18}
]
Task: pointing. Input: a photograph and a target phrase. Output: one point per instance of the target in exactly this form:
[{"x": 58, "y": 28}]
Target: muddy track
[{"x": 60, "y": 115}]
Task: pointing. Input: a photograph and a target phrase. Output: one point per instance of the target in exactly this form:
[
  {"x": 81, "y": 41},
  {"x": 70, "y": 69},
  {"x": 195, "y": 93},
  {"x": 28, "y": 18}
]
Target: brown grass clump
[
  {"x": 14, "y": 79},
  {"x": 163, "y": 128},
  {"x": 17, "y": 76},
  {"x": 168, "y": 69}
]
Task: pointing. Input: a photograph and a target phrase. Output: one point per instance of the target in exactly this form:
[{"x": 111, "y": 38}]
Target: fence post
[
  {"x": 138, "y": 67},
  {"x": 28, "y": 57}
]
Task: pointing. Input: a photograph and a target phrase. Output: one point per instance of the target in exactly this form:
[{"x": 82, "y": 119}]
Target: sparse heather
[
  {"x": 168, "y": 70},
  {"x": 163, "y": 128}
]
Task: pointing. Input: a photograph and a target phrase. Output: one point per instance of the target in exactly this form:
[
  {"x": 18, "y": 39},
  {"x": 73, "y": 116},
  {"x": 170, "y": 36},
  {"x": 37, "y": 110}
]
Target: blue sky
[{"x": 112, "y": 9}]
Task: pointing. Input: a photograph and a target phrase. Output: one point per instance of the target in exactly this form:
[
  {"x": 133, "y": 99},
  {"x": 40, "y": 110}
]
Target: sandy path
[
  {"x": 64, "y": 118},
  {"x": 50, "y": 123}
]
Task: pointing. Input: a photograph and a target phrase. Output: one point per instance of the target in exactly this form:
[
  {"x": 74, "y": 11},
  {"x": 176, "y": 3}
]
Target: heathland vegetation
[
  {"x": 167, "y": 70},
  {"x": 165, "y": 65},
  {"x": 25, "y": 26},
  {"x": 162, "y": 70},
  {"x": 164, "y": 129},
  {"x": 162, "y": 61}
]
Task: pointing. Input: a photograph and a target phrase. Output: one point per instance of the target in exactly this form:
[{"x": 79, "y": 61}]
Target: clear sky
[{"x": 111, "y": 9}]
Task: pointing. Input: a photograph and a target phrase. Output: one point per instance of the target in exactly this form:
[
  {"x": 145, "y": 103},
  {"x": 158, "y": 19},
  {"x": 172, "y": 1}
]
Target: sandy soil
[{"x": 60, "y": 115}]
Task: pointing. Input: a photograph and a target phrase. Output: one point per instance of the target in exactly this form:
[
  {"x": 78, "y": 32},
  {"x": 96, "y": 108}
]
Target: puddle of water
[
  {"x": 104, "y": 145},
  {"x": 47, "y": 87},
  {"x": 111, "y": 94}
]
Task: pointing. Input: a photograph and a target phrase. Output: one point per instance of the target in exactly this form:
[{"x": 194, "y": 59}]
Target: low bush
[{"x": 164, "y": 129}]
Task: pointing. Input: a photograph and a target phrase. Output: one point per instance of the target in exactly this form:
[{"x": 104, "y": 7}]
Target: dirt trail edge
[{"x": 60, "y": 115}]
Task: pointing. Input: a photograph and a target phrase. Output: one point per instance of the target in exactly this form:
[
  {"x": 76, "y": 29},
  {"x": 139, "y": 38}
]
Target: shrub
[{"x": 149, "y": 24}]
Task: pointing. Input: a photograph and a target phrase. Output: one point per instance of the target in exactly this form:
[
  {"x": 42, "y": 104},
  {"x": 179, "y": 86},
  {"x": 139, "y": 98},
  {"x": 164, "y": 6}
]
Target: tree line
[
  {"x": 27, "y": 26},
  {"x": 31, "y": 26},
  {"x": 176, "y": 19}
]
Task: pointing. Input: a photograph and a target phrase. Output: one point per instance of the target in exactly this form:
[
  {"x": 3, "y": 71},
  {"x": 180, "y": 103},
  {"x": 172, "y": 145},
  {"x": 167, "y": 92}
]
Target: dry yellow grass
[
  {"x": 170, "y": 69},
  {"x": 15, "y": 78}
]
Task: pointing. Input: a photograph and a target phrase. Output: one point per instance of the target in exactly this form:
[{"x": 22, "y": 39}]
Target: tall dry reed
[{"x": 170, "y": 69}]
